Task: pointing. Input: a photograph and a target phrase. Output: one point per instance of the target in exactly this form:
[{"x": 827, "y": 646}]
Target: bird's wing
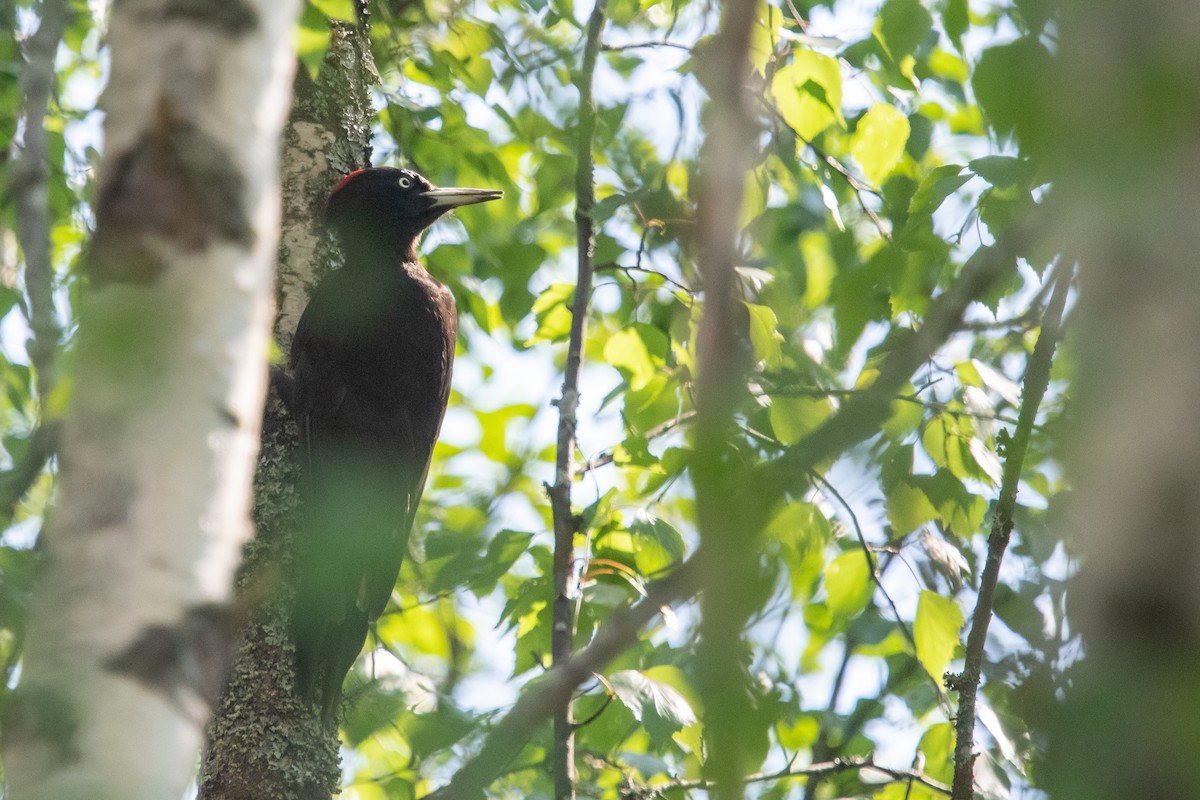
[
  {"x": 368, "y": 402},
  {"x": 369, "y": 417}
]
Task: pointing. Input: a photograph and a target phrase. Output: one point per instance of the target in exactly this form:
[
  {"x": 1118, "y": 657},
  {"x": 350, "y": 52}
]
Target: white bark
[
  {"x": 305, "y": 172},
  {"x": 159, "y": 443}
]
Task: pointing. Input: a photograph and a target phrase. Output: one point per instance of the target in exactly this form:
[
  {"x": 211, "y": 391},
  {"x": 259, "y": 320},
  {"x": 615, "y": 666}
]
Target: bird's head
[{"x": 396, "y": 203}]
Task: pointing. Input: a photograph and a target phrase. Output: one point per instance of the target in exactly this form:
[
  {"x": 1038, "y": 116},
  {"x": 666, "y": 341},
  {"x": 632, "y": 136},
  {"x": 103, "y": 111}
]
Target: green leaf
[
  {"x": 627, "y": 350},
  {"x": 848, "y": 584},
  {"x": 466, "y": 43},
  {"x": 933, "y": 190},
  {"x": 819, "y": 268},
  {"x": 1000, "y": 208},
  {"x": 418, "y": 628},
  {"x": 809, "y": 93},
  {"x": 764, "y": 35},
  {"x": 657, "y": 545},
  {"x": 660, "y": 708},
  {"x": 553, "y": 314},
  {"x": 937, "y": 745},
  {"x": 955, "y": 19},
  {"x": 936, "y": 631},
  {"x": 440, "y": 729},
  {"x": 961, "y": 511},
  {"x": 794, "y": 417},
  {"x": 503, "y": 551},
  {"x": 803, "y": 531},
  {"x": 908, "y": 508},
  {"x": 335, "y": 9},
  {"x": 948, "y": 66},
  {"x": 905, "y": 417},
  {"x": 907, "y": 790},
  {"x": 878, "y": 143},
  {"x": 311, "y": 44},
  {"x": 1036, "y": 14},
  {"x": 764, "y": 335},
  {"x": 1003, "y": 171},
  {"x": 940, "y": 183},
  {"x": 945, "y": 444},
  {"x": 902, "y": 25},
  {"x": 1006, "y": 82},
  {"x": 800, "y": 734}
]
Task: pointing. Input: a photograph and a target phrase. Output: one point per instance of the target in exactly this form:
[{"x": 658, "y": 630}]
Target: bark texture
[
  {"x": 131, "y": 624},
  {"x": 264, "y": 743}
]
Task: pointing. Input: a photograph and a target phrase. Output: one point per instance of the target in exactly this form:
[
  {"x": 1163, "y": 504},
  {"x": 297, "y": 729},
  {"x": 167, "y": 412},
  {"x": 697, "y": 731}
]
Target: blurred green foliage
[{"x": 893, "y": 146}]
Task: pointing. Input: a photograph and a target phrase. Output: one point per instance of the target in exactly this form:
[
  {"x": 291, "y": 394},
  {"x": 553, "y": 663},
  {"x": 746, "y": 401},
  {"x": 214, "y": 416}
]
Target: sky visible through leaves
[{"x": 906, "y": 98}]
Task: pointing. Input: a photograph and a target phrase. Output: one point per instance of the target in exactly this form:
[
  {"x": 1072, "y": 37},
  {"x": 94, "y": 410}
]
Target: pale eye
[{"x": 405, "y": 182}]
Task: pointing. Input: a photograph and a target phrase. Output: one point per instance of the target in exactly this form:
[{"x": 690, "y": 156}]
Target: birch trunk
[
  {"x": 130, "y": 626},
  {"x": 263, "y": 742}
]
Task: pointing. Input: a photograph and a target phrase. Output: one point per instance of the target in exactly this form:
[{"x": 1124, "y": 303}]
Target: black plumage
[{"x": 371, "y": 362}]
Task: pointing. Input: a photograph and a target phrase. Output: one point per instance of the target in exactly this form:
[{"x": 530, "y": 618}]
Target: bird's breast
[{"x": 389, "y": 336}]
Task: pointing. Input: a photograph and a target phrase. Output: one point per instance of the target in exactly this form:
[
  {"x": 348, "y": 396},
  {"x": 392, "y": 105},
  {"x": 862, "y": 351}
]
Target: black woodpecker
[{"x": 371, "y": 363}]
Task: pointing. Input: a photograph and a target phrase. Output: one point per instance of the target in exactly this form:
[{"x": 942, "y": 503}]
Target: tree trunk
[
  {"x": 129, "y": 628},
  {"x": 263, "y": 742},
  {"x": 1124, "y": 153}
]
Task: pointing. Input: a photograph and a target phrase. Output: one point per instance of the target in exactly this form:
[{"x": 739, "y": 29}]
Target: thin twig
[
  {"x": 566, "y": 524},
  {"x": 876, "y": 572},
  {"x": 606, "y": 457},
  {"x": 821, "y": 748},
  {"x": 817, "y": 770},
  {"x": 612, "y": 266},
  {"x": 859, "y": 186},
  {"x": 608, "y": 698},
  {"x": 966, "y": 683},
  {"x": 932, "y": 405},
  {"x": 616, "y": 48}
]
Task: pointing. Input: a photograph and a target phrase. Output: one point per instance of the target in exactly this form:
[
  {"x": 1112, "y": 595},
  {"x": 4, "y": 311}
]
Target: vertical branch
[
  {"x": 722, "y": 494},
  {"x": 28, "y": 189},
  {"x": 565, "y": 522},
  {"x": 1037, "y": 378},
  {"x": 27, "y": 185}
]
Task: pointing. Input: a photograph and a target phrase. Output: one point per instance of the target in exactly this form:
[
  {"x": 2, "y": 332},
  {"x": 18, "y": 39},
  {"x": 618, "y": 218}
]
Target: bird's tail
[{"x": 325, "y": 651}]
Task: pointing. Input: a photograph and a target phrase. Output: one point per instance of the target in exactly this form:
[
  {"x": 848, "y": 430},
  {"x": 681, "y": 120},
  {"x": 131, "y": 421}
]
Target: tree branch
[
  {"x": 30, "y": 195},
  {"x": 566, "y": 524},
  {"x": 263, "y": 741},
  {"x": 864, "y": 412},
  {"x": 27, "y": 186},
  {"x": 818, "y": 770},
  {"x": 15, "y": 482},
  {"x": 553, "y": 690},
  {"x": 731, "y": 574},
  {"x": 616, "y": 48},
  {"x": 966, "y": 683}
]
